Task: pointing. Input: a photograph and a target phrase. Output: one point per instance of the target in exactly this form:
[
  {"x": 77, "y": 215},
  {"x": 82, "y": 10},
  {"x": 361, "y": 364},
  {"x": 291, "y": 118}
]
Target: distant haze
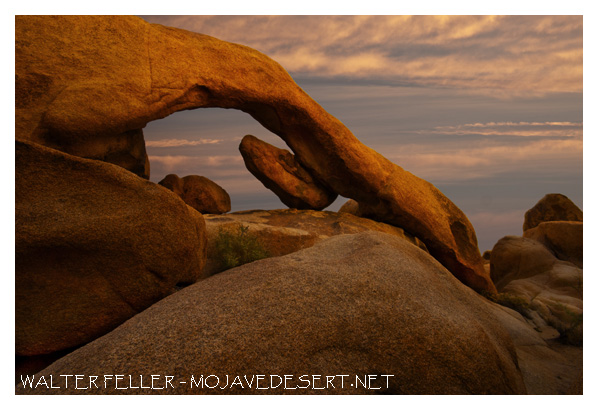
[{"x": 488, "y": 109}]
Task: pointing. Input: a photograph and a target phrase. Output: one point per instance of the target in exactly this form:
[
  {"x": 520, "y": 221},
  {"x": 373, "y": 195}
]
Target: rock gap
[{"x": 205, "y": 142}]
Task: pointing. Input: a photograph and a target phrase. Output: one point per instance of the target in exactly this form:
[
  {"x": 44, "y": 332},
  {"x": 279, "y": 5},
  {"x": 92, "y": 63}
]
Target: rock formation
[
  {"x": 553, "y": 288},
  {"x": 199, "y": 192},
  {"x": 351, "y": 207},
  {"x": 283, "y": 232},
  {"x": 548, "y": 367},
  {"x": 544, "y": 267},
  {"x": 278, "y": 170},
  {"x": 562, "y": 238},
  {"x": 94, "y": 245},
  {"x": 83, "y": 80},
  {"x": 390, "y": 308},
  {"x": 552, "y": 207}
]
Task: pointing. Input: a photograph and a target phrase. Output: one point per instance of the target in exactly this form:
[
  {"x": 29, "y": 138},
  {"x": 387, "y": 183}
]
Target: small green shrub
[{"x": 237, "y": 246}]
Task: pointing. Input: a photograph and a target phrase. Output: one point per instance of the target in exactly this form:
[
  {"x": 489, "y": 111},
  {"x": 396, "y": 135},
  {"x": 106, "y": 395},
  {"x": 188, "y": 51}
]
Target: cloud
[
  {"x": 522, "y": 129},
  {"x": 223, "y": 160},
  {"x": 171, "y": 163},
  {"x": 181, "y": 142},
  {"x": 513, "y": 54},
  {"x": 481, "y": 160}
]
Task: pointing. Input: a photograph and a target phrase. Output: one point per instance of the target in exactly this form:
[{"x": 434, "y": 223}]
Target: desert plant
[{"x": 237, "y": 246}]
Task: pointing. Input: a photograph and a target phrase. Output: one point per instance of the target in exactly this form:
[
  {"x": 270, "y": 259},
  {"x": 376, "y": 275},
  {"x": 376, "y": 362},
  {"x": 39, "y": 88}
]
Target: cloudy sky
[{"x": 487, "y": 108}]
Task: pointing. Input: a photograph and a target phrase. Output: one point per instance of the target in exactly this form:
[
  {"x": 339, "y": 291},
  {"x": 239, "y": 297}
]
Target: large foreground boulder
[
  {"x": 199, "y": 193},
  {"x": 94, "y": 245},
  {"x": 354, "y": 305},
  {"x": 83, "y": 79},
  {"x": 278, "y": 170},
  {"x": 282, "y": 232},
  {"x": 552, "y": 207}
]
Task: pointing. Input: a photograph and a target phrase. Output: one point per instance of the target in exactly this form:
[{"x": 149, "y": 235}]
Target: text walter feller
[{"x": 212, "y": 382}]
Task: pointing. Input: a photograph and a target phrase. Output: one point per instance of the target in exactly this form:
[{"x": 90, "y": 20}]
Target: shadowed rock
[
  {"x": 199, "y": 193},
  {"x": 351, "y": 207},
  {"x": 94, "y": 245},
  {"x": 552, "y": 207},
  {"x": 563, "y": 238},
  {"x": 548, "y": 367},
  {"x": 81, "y": 80},
  {"x": 553, "y": 288},
  {"x": 278, "y": 170},
  {"x": 390, "y": 308}
]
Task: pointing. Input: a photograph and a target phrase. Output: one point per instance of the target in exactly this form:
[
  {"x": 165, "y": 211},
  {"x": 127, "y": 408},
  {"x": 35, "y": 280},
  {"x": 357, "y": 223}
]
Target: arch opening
[{"x": 205, "y": 142}]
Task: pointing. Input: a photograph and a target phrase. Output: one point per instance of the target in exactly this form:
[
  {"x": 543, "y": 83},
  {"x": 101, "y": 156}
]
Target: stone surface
[
  {"x": 518, "y": 257},
  {"x": 548, "y": 367},
  {"x": 283, "y": 232},
  {"x": 361, "y": 304},
  {"x": 83, "y": 79},
  {"x": 553, "y": 288},
  {"x": 552, "y": 207},
  {"x": 563, "y": 238},
  {"x": 173, "y": 183},
  {"x": 199, "y": 192},
  {"x": 577, "y": 386},
  {"x": 94, "y": 245},
  {"x": 278, "y": 170},
  {"x": 350, "y": 207}
]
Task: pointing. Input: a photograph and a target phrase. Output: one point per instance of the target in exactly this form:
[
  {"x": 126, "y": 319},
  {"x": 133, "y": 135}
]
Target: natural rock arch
[{"x": 83, "y": 82}]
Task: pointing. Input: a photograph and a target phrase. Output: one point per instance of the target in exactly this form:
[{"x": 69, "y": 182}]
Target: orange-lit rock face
[
  {"x": 278, "y": 170},
  {"x": 81, "y": 80},
  {"x": 552, "y": 207}
]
